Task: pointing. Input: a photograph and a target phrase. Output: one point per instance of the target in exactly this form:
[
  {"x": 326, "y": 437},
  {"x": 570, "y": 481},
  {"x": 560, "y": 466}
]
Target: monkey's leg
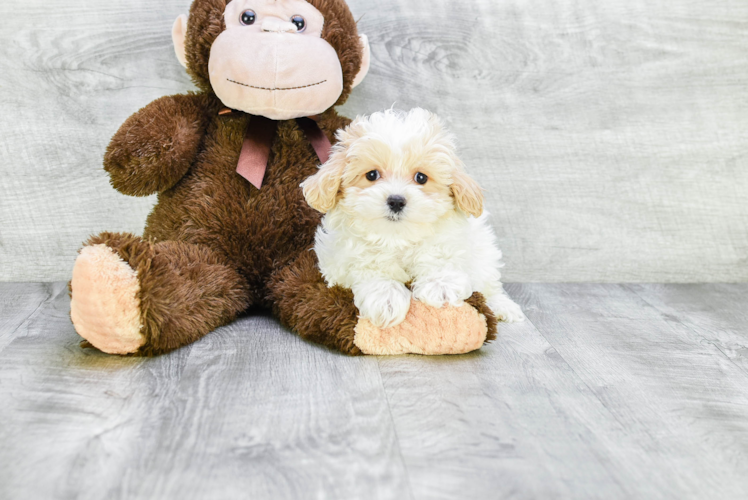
[
  {"x": 304, "y": 303},
  {"x": 131, "y": 296}
]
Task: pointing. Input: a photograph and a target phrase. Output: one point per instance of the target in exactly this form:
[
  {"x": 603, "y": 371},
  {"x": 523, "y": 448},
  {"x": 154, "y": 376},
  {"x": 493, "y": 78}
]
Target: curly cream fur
[{"x": 441, "y": 241}]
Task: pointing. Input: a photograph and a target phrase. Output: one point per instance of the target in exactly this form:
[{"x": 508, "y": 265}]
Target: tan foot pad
[
  {"x": 104, "y": 307},
  {"x": 426, "y": 330}
]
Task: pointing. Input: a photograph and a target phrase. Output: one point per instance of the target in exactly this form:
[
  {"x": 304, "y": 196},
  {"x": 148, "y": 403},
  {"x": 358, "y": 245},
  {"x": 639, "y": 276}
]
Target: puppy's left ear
[
  {"x": 321, "y": 189},
  {"x": 467, "y": 193}
]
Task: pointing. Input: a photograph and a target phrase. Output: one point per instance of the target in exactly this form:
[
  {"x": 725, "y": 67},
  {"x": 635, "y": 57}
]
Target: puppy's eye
[
  {"x": 373, "y": 175},
  {"x": 422, "y": 178},
  {"x": 299, "y": 22},
  {"x": 248, "y": 17}
]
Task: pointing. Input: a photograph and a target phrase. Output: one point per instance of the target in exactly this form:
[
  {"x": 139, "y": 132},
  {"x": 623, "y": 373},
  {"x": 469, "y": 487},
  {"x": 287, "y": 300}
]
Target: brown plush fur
[
  {"x": 214, "y": 245},
  {"x": 303, "y": 302},
  {"x": 158, "y": 144},
  {"x": 479, "y": 302}
]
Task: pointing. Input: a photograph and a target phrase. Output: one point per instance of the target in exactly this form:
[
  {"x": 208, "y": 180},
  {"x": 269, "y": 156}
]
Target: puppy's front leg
[
  {"x": 384, "y": 302},
  {"x": 445, "y": 286}
]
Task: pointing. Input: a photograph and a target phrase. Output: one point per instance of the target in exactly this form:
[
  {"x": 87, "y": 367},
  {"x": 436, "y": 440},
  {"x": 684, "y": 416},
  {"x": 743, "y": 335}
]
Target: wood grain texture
[
  {"x": 18, "y": 301},
  {"x": 599, "y": 396},
  {"x": 716, "y": 314},
  {"x": 611, "y": 136},
  {"x": 681, "y": 401},
  {"x": 608, "y": 391},
  {"x": 24, "y": 305},
  {"x": 511, "y": 421},
  {"x": 250, "y": 412}
]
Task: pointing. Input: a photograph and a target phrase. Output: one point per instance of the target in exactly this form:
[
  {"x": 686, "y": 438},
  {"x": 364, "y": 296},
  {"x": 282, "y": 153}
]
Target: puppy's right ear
[{"x": 321, "y": 189}]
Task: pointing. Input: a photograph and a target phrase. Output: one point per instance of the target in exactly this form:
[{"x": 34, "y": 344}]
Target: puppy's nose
[{"x": 396, "y": 203}]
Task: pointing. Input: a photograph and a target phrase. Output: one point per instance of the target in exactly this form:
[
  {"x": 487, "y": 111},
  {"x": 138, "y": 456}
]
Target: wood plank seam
[
  {"x": 50, "y": 298},
  {"x": 394, "y": 429},
  {"x": 528, "y": 313},
  {"x": 690, "y": 329}
]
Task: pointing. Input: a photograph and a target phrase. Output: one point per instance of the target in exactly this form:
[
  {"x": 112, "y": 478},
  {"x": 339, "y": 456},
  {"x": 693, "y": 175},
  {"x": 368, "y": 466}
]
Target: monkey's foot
[
  {"x": 426, "y": 330},
  {"x": 104, "y": 304}
]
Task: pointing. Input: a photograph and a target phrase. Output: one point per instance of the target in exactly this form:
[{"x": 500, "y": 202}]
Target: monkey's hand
[{"x": 156, "y": 146}]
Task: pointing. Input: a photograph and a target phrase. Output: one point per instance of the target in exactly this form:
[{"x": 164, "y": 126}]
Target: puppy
[{"x": 400, "y": 208}]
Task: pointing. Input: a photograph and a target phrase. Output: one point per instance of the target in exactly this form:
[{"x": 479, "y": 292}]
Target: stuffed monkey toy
[{"x": 231, "y": 230}]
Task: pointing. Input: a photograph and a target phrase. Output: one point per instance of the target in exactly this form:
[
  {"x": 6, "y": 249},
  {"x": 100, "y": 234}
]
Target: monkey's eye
[
  {"x": 373, "y": 175},
  {"x": 299, "y": 22},
  {"x": 248, "y": 17},
  {"x": 422, "y": 178}
]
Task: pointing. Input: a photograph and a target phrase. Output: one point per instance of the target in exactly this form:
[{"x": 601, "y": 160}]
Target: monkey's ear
[
  {"x": 178, "y": 35},
  {"x": 467, "y": 193},
  {"x": 321, "y": 189},
  {"x": 365, "y": 60}
]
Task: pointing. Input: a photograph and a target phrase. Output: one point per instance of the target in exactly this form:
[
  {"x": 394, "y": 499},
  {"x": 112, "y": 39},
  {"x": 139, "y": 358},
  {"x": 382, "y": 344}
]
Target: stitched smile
[{"x": 266, "y": 88}]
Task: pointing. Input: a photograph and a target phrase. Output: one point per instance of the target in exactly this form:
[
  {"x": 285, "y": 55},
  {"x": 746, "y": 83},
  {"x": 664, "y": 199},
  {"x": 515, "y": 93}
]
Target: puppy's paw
[
  {"x": 505, "y": 309},
  {"x": 451, "y": 288},
  {"x": 383, "y": 302}
]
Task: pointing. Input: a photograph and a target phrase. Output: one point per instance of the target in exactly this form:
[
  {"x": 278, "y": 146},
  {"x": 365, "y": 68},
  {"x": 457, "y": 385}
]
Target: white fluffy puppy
[{"x": 400, "y": 208}]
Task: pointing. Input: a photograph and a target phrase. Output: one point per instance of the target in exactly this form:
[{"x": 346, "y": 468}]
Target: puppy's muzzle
[{"x": 396, "y": 203}]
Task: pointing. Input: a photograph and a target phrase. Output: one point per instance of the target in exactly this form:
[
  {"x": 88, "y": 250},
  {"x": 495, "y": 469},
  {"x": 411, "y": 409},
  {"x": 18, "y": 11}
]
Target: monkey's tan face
[{"x": 272, "y": 60}]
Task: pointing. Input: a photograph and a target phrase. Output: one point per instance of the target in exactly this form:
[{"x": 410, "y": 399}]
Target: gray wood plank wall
[{"x": 612, "y": 137}]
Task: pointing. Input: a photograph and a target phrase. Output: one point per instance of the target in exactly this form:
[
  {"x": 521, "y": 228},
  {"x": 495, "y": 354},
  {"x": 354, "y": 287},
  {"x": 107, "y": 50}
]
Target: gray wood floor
[{"x": 608, "y": 391}]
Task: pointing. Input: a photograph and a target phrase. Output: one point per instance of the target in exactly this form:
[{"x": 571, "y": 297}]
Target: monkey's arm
[{"x": 156, "y": 146}]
